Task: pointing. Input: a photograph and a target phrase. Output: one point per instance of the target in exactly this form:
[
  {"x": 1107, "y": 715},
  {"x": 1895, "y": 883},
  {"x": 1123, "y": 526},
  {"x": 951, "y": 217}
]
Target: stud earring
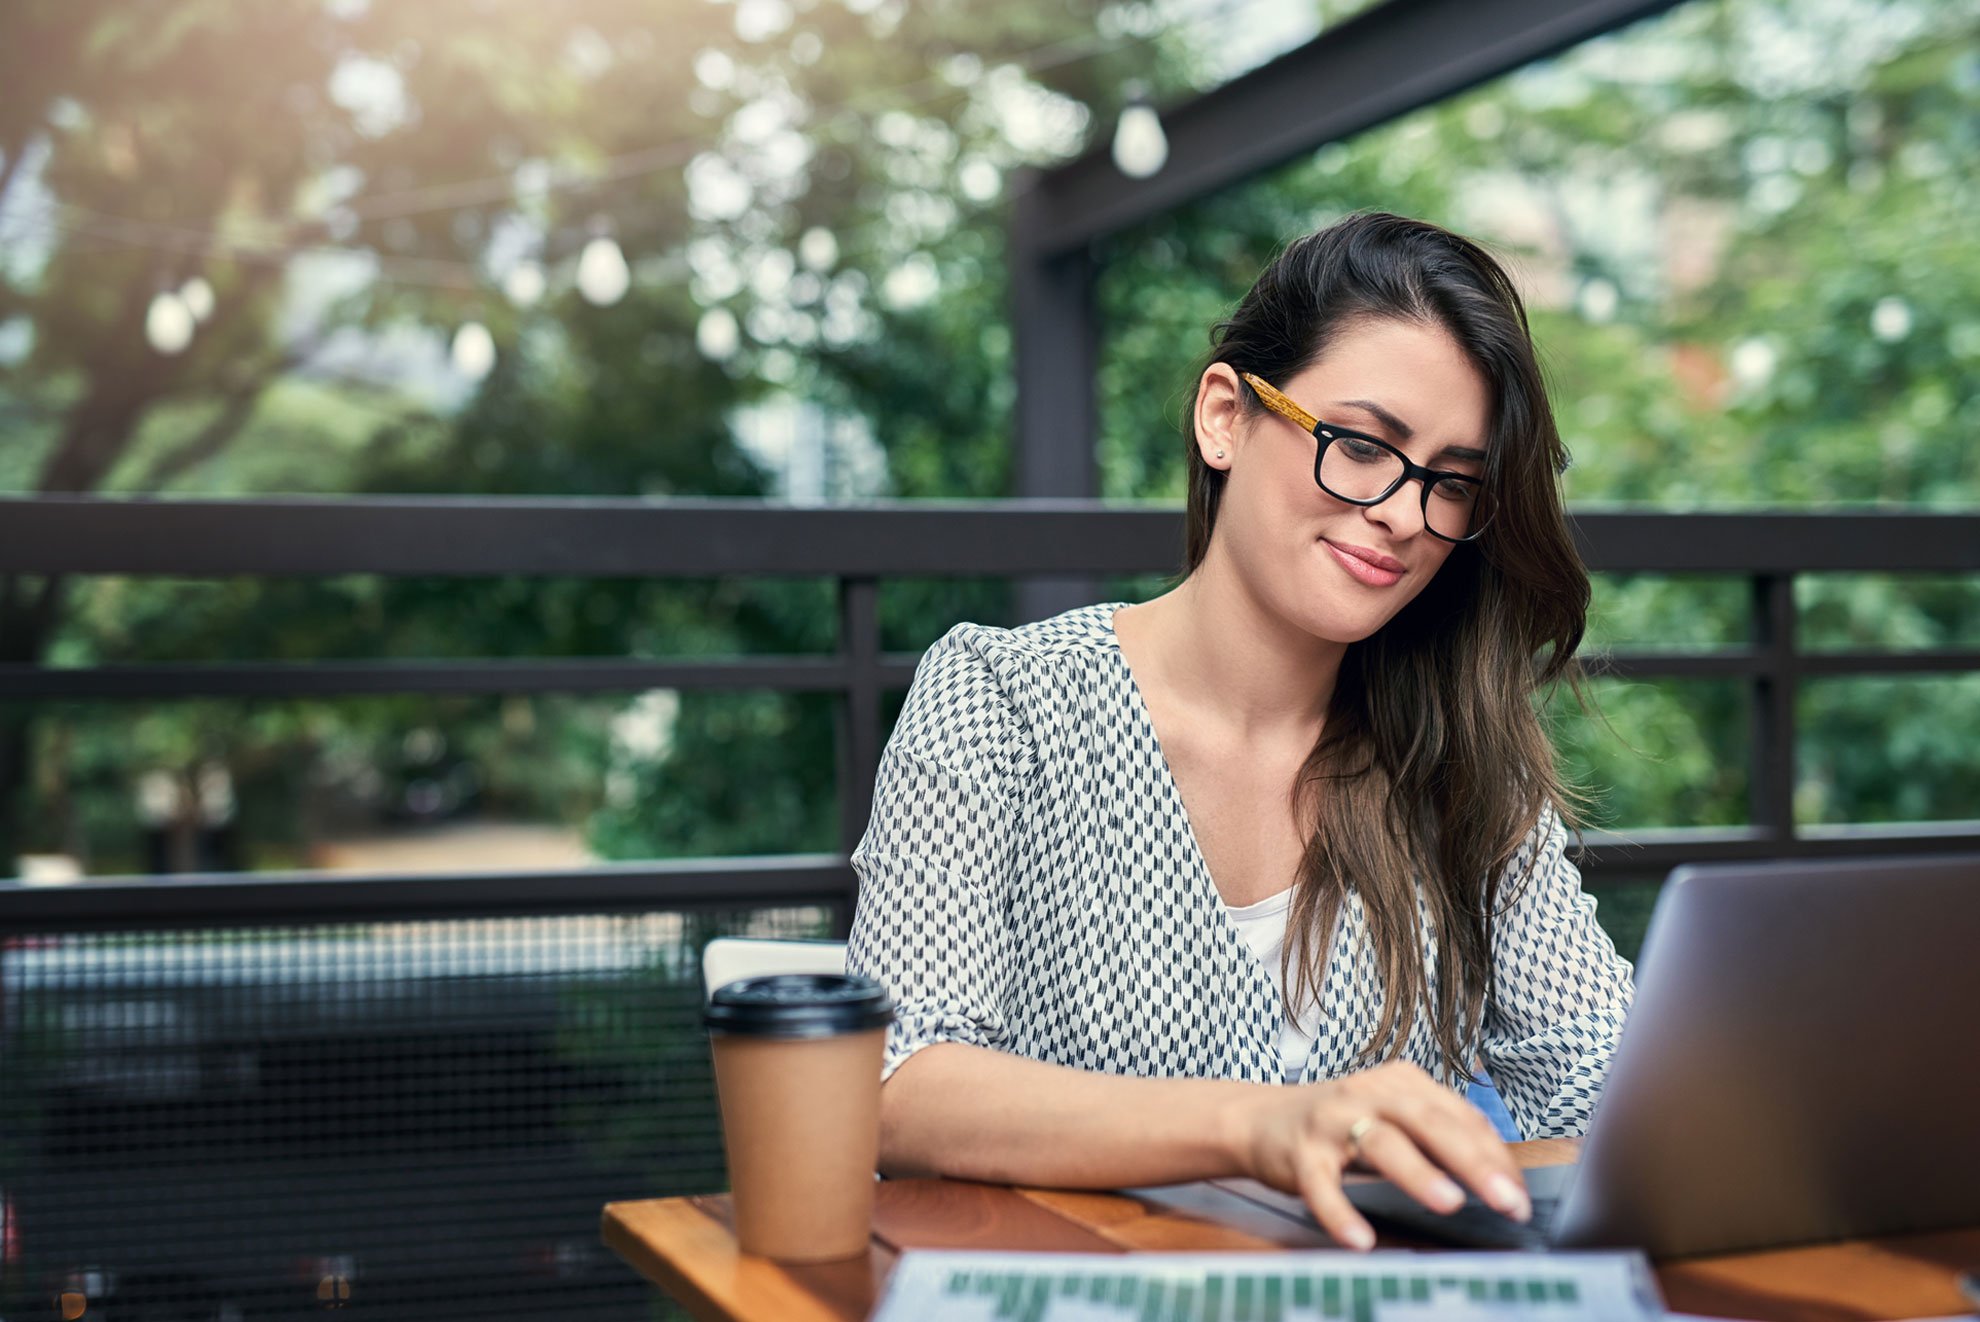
[{"x": 1220, "y": 454}]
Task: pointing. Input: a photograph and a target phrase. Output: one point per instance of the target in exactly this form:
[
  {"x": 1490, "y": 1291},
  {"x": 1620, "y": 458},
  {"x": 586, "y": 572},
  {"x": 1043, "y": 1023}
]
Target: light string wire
[{"x": 463, "y": 194}]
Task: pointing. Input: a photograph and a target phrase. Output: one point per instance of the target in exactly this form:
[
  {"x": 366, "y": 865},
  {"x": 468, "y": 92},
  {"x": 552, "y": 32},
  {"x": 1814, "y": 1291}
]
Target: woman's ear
[{"x": 1218, "y": 397}]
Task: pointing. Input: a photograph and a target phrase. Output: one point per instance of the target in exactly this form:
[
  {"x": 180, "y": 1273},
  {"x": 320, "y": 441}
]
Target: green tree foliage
[
  {"x": 424, "y": 144},
  {"x": 1745, "y": 229},
  {"x": 1748, "y": 252}
]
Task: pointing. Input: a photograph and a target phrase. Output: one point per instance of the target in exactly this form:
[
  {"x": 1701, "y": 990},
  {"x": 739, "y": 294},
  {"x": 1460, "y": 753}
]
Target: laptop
[{"x": 1802, "y": 1063}]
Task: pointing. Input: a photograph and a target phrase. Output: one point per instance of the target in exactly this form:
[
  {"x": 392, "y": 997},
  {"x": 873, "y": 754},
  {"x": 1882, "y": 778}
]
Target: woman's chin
[{"x": 1329, "y": 619}]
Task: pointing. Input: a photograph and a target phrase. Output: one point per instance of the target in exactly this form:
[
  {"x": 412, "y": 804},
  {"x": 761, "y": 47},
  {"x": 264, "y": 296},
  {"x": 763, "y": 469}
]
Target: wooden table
[{"x": 687, "y": 1248}]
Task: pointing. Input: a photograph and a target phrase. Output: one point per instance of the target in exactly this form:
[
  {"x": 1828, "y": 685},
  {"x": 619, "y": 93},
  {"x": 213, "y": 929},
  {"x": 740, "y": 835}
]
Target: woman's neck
[{"x": 1212, "y": 644}]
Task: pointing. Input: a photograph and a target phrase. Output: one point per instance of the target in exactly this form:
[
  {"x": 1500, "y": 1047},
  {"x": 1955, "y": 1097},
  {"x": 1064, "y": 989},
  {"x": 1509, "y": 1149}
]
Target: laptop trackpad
[{"x": 1474, "y": 1223}]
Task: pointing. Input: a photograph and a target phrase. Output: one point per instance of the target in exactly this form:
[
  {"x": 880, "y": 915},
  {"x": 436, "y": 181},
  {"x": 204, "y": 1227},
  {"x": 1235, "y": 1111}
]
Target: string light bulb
[
  {"x": 523, "y": 284},
  {"x": 473, "y": 351},
  {"x": 602, "y": 274},
  {"x": 1141, "y": 148},
  {"x": 168, "y": 323},
  {"x": 197, "y": 295}
]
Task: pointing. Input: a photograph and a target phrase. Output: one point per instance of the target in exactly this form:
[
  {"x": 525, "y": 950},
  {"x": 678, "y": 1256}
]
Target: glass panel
[
  {"x": 1624, "y": 912},
  {"x": 914, "y": 612},
  {"x": 1668, "y": 753},
  {"x": 1141, "y": 587},
  {"x": 1889, "y": 750},
  {"x": 1872, "y": 611},
  {"x": 426, "y": 784},
  {"x": 1668, "y": 612},
  {"x": 113, "y": 619}
]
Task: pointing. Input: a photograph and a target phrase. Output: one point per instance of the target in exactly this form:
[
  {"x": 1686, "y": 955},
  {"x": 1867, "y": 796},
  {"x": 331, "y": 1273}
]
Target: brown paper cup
[{"x": 800, "y": 1125}]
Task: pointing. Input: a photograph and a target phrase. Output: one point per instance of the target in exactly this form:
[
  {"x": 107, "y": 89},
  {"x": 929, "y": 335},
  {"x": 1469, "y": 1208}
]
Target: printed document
[{"x": 1384, "y": 1286}]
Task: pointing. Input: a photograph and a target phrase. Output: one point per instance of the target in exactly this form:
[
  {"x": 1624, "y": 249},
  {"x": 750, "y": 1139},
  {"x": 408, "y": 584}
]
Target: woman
[{"x": 1133, "y": 869}]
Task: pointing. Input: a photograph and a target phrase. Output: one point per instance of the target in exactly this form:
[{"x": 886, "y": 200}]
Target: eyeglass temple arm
[{"x": 1279, "y": 402}]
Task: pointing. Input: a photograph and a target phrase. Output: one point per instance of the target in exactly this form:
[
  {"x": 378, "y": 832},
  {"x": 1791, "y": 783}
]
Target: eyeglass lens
[{"x": 1357, "y": 470}]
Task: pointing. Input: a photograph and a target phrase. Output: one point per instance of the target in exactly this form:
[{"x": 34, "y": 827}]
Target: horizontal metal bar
[
  {"x": 1724, "y": 663},
  {"x": 1744, "y": 662},
  {"x": 485, "y": 537},
  {"x": 227, "y": 899},
  {"x": 1924, "y": 661},
  {"x": 235, "y": 899},
  {"x": 279, "y": 679},
  {"x": 1778, "y": 542},
  {"x": 1384, "y": 62},
  {"x": 1657, "y": 850}
]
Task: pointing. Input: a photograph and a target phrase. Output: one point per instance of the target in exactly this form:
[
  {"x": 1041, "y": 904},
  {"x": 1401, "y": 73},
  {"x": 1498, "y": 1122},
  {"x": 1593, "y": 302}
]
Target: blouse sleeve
[
  {"x": 930, "y": 923},
  {"x": 1560, "y": 991}
]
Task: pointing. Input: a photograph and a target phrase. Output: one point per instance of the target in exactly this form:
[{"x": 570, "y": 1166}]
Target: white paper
[{"x": 1385, "y": 1286}]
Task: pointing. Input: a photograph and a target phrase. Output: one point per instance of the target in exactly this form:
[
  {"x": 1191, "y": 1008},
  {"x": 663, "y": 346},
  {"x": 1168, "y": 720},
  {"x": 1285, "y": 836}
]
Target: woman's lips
[{"x": 1363, "y": 569}]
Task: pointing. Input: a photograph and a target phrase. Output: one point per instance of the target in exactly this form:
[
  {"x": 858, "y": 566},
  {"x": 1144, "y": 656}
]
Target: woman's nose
[{"x": 1402, "y": 512}]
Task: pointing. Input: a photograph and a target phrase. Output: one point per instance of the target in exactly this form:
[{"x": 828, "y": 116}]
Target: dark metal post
[
  {"x": 1056, "y": 352},
  {"x": 1775, "y": 683},
  {"x": 859, "y": 713}
]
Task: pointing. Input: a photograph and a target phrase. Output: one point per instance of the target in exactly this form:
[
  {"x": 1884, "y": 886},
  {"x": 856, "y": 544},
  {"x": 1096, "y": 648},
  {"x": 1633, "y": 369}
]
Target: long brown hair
[{"x": 1433, "y": 764}]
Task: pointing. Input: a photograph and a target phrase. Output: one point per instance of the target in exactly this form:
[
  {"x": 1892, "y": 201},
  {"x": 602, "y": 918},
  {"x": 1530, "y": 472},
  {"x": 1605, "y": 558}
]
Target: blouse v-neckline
[
  {"x": 1171, "y": 786},
  {"x": 1262, "y": 979}
]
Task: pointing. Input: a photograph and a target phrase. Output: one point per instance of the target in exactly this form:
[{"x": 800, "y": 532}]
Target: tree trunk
[{"x": 124, "y": 383}]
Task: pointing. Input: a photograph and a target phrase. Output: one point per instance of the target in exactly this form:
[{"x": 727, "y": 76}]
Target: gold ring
[{"x": 1356, "y": 1132}]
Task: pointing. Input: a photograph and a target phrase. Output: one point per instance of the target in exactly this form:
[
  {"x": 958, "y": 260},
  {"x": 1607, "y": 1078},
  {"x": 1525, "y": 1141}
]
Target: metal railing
[
  {"x": 416, "y": 1090},
  {"x": 857, "y": 547}
]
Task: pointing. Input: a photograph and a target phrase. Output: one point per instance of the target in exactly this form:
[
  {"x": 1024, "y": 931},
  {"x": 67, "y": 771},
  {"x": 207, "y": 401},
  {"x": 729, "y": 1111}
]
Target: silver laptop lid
[{"x": 1802, "y": 1061}]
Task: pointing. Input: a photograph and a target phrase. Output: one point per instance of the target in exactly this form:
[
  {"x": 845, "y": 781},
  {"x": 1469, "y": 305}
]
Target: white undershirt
[{"x": 1263, "y": 927}]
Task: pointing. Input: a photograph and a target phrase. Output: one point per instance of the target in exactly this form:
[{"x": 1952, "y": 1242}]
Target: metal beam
[
  {"x": 1623, "y": 857},
  {"x": 859, "y": 732},
  {"x": 318, "y": 679},
  {"x": 487, "y": 537},
  {"x": 1769, "y": 542},
  {"x": 468, "y": 538},
  {"x": 219, "y": 899},
  {"x": 1057, "y": 360},
  {"x": 1384, "y": 62},
  {"x": 295, "y": 897}
]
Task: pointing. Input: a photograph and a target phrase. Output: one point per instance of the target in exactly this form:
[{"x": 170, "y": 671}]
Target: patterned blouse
[{"x": 1029, "y": 882}]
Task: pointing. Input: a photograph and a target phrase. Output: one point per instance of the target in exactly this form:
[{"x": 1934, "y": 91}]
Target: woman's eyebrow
[{"x": 1404, "y": 431}]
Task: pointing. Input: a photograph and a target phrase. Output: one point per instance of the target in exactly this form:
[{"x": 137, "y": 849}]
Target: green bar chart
[
  {"x": 1019, "y": 1296},
  {"x": 1285, "y": 1287}
]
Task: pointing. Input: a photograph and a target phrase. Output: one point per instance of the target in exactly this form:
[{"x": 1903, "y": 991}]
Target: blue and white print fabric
[{"x": 1029, "y": 882}]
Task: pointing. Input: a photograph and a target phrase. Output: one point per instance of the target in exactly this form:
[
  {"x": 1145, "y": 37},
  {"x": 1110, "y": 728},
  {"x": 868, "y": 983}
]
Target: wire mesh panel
[{"x": 404, "y": 1119}]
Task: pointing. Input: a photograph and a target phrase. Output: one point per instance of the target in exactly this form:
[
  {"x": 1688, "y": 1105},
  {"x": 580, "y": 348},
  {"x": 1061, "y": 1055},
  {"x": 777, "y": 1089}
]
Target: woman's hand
[{"x": 1395, "y": 1120}]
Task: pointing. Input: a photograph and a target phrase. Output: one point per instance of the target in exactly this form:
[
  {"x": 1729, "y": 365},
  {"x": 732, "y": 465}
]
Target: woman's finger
[
  {"x": 1320, "y": 1186},
  {"x": 1484, "y": 1164},
  {"x": 1441, "y": 1125},
  {"x": 1388, "y": 1150}
]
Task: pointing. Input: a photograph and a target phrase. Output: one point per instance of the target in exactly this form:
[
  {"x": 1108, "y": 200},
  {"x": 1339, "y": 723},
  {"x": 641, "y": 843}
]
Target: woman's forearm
[{"x": 974, "y": 1113}]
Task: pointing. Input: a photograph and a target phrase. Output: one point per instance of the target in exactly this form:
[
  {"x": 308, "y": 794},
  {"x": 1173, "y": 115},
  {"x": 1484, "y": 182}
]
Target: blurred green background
[{"x": 755, "y": 249}]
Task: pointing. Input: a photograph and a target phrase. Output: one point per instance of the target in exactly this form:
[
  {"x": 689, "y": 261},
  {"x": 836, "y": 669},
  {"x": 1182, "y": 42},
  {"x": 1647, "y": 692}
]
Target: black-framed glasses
[{"x": 1366, "y": 470}]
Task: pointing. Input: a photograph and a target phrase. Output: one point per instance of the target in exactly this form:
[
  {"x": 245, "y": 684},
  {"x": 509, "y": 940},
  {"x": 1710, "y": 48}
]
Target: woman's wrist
[{"x": 1237, "y": 1112}]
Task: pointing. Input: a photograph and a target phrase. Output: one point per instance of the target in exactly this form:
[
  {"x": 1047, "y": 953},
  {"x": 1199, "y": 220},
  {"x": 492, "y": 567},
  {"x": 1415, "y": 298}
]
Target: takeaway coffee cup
[{"x": 797, "y": 1067}]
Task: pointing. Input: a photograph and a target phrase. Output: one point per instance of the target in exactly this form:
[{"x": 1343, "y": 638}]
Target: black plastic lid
[{"x": 799, "y": 1005}]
